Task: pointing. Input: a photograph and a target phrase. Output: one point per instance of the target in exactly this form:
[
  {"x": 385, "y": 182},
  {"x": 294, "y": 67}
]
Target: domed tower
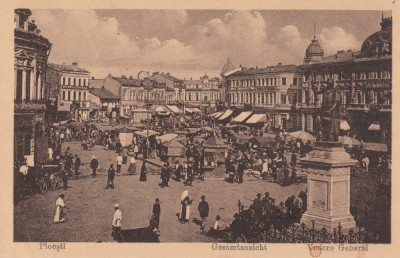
[
  {"x": 314, "y": 51},
  {"x": 379, "y": 43},
  {"x": 228, "y": 66}
]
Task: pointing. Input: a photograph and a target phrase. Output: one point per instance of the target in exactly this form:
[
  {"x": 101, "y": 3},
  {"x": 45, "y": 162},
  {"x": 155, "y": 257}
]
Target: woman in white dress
[
  {"x": 60, "y": 205},
  {"x": 185, "y": 208}
]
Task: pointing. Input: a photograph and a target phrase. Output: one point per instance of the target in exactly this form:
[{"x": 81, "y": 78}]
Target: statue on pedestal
[{"x": 330, "y": 112}]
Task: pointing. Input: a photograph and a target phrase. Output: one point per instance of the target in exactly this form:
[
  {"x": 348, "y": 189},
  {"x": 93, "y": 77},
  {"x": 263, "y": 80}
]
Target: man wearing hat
[
  {"x": 116, "y": 223},
  {"x": 257, "y": 205},
  {"x": 266, "y": 199},
  {"x": 203, "y": 210},
  {"x": 155, "y": 217}
]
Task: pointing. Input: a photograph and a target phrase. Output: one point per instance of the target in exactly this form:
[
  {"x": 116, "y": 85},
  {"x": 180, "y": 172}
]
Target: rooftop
[
  {"x": 270, "y": 69},
  {"x": 67, "y": 68},
  {"x": 103, "y": 93}
]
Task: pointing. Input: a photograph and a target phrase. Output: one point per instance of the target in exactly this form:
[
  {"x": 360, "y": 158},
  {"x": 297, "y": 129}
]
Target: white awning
[
  {"x": 257, "y": 118},
  {"x": 242, "y": 116},
  {"x": 344, "y": 125},
  {"x": 174, "y": 109},
  {"x": 374, "y": 127},
  {"x": 189, "y": 110},
  {"x": 217, "y": 114},
  {"x": 196, "y": 110},
  {"x": 226, "y": 114}
]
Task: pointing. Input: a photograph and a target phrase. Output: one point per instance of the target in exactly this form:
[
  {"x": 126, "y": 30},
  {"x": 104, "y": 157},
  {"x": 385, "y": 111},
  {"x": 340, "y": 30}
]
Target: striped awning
[
  {"x": 257, "y": 118},
  {"x": 242, "y": 116}
]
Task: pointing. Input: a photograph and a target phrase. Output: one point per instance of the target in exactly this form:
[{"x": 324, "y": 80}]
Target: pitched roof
[
  {"x": 67, "y": 68},
  {"x": 127, "y": 81},
  {"x": 269, "y": 69},
  {"x": 96, "y": 83},
  {"x": 214, "y": 141},
  {"x": 103, "y": 93}
]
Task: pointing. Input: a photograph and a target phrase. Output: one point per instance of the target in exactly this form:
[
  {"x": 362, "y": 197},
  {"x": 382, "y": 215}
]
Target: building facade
[
  {"x": 204, "y": 93},
  {"x": 102, "y": 103},
  {"x": 70, "y": 86},
  {"x": 274, "y": 90},
  {"x": 31, "y": 52},
  {"x": 364, "y": 80}
]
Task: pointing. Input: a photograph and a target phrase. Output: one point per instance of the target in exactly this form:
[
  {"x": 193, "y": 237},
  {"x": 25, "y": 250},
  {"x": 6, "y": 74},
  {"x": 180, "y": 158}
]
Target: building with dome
[
  {"x": 364, "y": 79},
  {"x": 31, "y": 52}
]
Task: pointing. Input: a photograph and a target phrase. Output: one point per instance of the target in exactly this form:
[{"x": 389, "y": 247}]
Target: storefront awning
[
  {"x": 174, "y": 109},
  {"x": 242, "y": 116},
  {"x": 257, "y": 118},
  {"x": 193, "y": 110},
  {"x": 227, "y": 114},
  {"x": 217, "y": 114},
  {"x": 376, "y": 147},
  {"x": 344, "y": 125},
  {"x": 374, "y": 127}
]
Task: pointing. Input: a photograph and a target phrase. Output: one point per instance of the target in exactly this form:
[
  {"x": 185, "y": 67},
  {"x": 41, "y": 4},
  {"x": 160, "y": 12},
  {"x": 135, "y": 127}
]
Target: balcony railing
[{"x": 30, "y": 106}]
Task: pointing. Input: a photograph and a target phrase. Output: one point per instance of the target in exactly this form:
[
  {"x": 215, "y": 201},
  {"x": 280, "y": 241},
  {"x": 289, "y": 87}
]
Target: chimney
[
  {"x": 92, "y": 77},
  {"x": 109, "y": 75},
  {"x": 123, "y": 76},
  {"x": 131, "y": 77},
  {"x": 279, "y": 64},
  {"x": 75, "y": 64}
]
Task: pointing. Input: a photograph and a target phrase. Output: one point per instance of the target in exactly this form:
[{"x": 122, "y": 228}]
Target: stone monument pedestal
[{"x": 328, "y": 187}]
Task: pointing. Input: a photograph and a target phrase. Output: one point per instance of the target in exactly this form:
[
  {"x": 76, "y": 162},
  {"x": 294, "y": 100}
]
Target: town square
[{"x": 293, "y": 146}]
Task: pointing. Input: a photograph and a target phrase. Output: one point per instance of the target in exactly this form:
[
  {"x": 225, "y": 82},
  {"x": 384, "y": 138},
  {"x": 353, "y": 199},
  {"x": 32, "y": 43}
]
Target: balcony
[{"x": 30, "y": 106}]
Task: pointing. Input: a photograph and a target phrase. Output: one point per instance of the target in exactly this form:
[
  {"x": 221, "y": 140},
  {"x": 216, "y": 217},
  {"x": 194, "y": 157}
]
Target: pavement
[{"x": 90, "y": 206}]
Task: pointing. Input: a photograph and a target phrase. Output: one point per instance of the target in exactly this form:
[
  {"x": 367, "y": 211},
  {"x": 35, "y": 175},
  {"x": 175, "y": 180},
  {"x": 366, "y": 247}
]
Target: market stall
[
  {"x": 214, "y": 151},
  {"x": 171, "y": 150},
  {"x": 125, "y": 136}
]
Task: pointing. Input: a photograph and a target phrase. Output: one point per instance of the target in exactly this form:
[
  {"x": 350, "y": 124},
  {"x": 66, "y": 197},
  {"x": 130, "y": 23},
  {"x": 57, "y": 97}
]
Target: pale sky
[{"x": 188, "y": 43}]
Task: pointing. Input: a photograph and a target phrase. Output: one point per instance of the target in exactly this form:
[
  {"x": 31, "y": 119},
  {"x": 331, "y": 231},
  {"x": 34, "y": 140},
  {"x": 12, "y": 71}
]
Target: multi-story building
[
  {"x": 204, "y": 93},
  {"x": 31, "y": 51},
  {"x": 70, "y": 86},
  {"x": 102, "y": 103},
  {"x": 175, "y": 87},
  {"x": 274, "y": 90},
  {"x": 137, "y": 94},
  {"x": 364, "y": 79}
]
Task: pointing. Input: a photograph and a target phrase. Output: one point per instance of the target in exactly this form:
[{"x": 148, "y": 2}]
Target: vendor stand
[
  {"x": 214, "y": 152},
  {"x": 172, "y": 150}
]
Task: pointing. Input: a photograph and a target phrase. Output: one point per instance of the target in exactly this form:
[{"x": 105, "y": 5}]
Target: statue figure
[{"x": 330, "y": 112}]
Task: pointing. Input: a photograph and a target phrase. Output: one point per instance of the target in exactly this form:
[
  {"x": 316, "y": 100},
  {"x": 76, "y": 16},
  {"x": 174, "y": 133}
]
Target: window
[
  {"x": 69, "y": 95},
  {"x": 84, "y": 96},
  {"x": 74, "y": 96},
  {"x": 63, "y": 95},
  {"x": 74, "y": 81},
  {"x": 80, "y": 95},
  {"x": 69, "y": 81},
  {"x": 64, "y": 81},
  {"x": 79, "y": 82},
  {"x": 283, "y": 81},
  {"x": 283, "y": 99},
  {"x": 84, "y": 82},
  {"x": 294, "y": 81}
]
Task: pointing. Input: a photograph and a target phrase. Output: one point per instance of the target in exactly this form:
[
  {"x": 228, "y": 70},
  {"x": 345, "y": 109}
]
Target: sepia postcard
[{"x": 220, "y": 129}]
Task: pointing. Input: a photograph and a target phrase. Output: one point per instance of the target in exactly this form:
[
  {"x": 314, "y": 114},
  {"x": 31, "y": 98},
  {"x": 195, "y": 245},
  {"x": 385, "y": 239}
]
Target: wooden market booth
[{"x": 214, "y": 151}]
